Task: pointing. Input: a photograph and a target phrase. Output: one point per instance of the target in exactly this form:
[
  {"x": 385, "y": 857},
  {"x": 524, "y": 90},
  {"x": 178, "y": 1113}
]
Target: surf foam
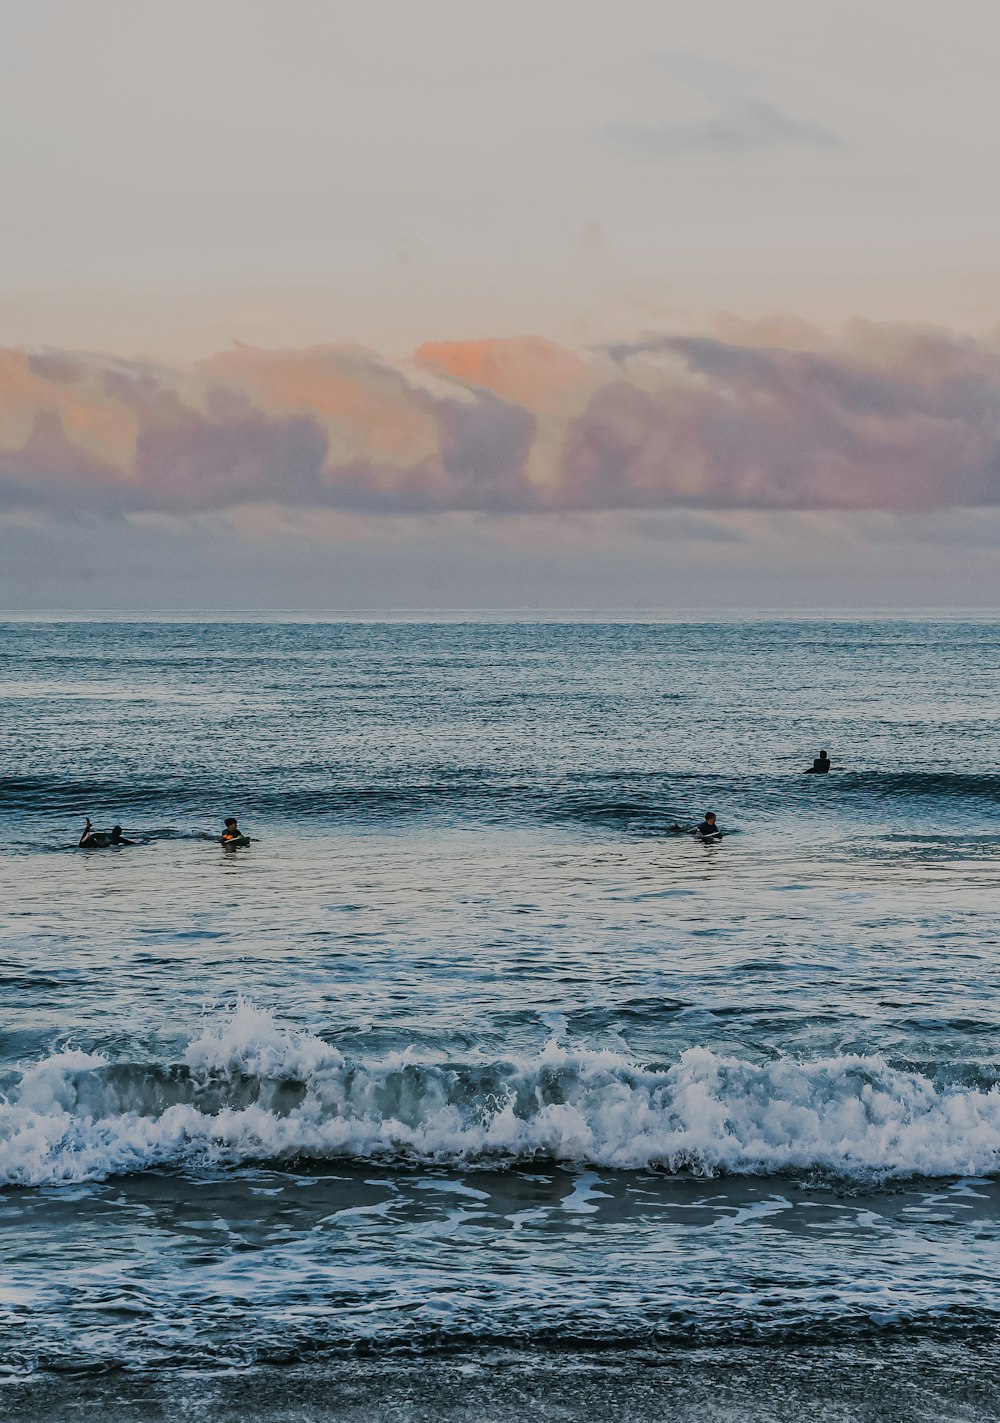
[{"x": 249, "y": 1090}]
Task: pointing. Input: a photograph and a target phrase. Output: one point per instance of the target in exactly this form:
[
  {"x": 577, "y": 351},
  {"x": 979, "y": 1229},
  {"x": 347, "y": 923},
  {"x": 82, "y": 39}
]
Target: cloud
[
  {"x": 707, "y": 76},
  {"x": 767, "y": 416},
  {"x": 744, "y": 126},
  {"x": 739, "y": 123}
]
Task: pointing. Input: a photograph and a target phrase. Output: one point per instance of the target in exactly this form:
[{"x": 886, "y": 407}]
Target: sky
[{"x": 457, "y": 305}]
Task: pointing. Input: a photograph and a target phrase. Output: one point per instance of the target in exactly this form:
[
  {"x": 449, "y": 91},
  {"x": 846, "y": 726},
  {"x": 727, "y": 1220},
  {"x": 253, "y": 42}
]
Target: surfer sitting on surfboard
[
  {"x": 819, "y": 767},
  {"x": 233, "y": 835}
]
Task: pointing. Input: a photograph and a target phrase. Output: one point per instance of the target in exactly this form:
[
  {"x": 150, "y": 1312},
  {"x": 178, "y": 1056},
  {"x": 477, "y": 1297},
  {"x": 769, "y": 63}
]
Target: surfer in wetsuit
[
  {"x": 102, "y": 839},
  {"x": 819, "y": 767},
  {"x": 707, "y": 830},
  {"x": 232, "y": 835}
]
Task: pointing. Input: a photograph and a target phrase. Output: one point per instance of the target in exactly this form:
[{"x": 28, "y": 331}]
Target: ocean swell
[{"x": 250, "y": 1091}]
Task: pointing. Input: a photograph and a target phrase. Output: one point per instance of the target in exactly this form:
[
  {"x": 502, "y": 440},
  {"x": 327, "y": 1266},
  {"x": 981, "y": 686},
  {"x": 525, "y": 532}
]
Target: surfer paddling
[
  {"x": 708, "y": 831},
  {"x": 102, "y": 839}
]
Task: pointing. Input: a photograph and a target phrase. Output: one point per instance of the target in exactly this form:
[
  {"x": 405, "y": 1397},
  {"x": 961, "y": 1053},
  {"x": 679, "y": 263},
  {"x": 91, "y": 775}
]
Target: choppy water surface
[{"x": 465, "y": 1047}]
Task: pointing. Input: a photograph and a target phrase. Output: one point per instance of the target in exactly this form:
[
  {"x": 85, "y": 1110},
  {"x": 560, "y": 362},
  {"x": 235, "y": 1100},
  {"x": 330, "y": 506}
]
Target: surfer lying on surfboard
[
  {"x": 102, "y": 839},
  {"x": 707, "y": 831}
]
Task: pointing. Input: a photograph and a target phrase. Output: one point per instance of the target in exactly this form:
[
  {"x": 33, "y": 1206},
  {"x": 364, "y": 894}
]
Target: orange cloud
[
  {"x": 531, "y": 372},
  {"x": 39, "y": 393},
  {"x": 362, "y": 404},
  {"x": 773, "y": 415}
]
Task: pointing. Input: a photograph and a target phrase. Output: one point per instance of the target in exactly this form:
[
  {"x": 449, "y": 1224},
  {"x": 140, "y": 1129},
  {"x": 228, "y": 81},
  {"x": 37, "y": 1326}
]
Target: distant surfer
[
  {"x": 819, "y": 767},
  {"x": 233, "y": 835},
  {"x": 708, "y": 831},
  {"x": 102, "y": 839}
]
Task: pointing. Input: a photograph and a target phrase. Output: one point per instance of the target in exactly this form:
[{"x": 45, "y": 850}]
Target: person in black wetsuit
[
  {"x": 707, "y": 830},
  {"x": 232, "y": 835},
  {"x": 819, "y": 767},
  {"x": 102, "y": 839}
]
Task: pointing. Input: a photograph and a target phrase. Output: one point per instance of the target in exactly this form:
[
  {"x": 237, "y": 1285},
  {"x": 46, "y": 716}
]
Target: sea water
[{"x": 469, "y": 1047}]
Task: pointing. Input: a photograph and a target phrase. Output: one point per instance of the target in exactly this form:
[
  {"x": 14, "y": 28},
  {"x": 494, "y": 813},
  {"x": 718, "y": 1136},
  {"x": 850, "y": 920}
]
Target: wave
[
  {"x": 273, "y": 792},
  {"x": 645, "y": 804},
  {"x": 920, "y": 784},
  {"x": 623, "y": 801},
  {"x": 249, "y": 1091}
]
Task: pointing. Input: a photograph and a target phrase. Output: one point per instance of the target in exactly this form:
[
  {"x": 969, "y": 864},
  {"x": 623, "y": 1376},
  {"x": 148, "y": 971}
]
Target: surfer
[
  {"x": 102, "y": 839},
  {"x": 707, "y": 830},
  {"x": 819, "y": 767},
  {"x": 233, "y": 835}
]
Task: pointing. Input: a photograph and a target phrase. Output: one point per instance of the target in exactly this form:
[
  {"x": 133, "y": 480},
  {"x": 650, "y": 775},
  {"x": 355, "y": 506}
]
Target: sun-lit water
[{"x": 466, "y": 1046}]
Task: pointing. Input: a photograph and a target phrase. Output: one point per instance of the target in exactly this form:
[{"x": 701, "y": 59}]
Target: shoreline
[{"x": 868, "y": 1381}]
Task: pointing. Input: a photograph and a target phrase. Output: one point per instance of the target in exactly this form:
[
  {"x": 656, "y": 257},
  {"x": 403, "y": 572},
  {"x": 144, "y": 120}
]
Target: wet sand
[{"x": 888, "y": 1383}]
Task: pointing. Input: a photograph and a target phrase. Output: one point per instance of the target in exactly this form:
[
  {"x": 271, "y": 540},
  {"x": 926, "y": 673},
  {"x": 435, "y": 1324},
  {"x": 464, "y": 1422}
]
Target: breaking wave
[{"x": 248, "y": 1090}]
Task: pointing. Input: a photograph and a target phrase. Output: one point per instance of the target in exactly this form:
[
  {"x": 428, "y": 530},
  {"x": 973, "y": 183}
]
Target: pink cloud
[{"x": 773, "y": 415}]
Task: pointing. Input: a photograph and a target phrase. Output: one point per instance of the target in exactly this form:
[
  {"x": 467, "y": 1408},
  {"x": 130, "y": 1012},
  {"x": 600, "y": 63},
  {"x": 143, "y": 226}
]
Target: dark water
[{"x": 465, "y": 1050}]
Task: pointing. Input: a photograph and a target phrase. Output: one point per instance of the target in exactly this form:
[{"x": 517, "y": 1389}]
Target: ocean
[{"x": 470, "y": 1074}]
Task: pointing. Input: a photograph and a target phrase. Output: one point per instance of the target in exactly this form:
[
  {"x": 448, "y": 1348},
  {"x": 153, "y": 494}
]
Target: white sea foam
[
  {"x": 249, "y": 1090},
  {"x": 247, "y": 1040}
]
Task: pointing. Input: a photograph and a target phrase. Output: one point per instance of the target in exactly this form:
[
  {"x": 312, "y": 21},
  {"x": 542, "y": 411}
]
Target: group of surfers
[
  {"x": 708, "y": 831},
  {"x": 92, "y": 839}
]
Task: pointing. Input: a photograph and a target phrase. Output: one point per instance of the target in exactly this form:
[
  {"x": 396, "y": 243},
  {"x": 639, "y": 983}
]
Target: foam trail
[{"x": 250, "y": 1091}]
